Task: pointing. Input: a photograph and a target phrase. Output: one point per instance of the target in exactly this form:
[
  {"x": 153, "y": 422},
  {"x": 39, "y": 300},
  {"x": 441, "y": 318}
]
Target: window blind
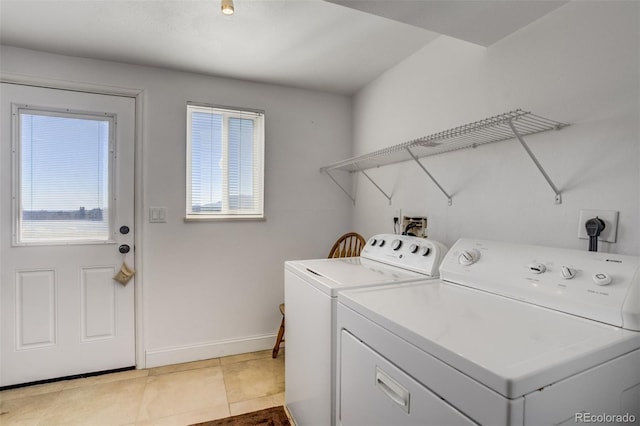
[
  {"x": 64, "y": 179},
  {"x": 225, "y": 169}
]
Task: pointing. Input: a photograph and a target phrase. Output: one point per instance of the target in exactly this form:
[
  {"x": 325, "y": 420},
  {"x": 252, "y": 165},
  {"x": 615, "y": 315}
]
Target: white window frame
[{"x": 257, "y": 213}]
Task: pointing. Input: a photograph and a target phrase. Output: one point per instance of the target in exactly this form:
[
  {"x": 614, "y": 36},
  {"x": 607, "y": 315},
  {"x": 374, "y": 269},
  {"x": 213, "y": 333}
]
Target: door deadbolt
[
  {"x": 124, "y": 230},
  {"x": 124, "y": 248}
]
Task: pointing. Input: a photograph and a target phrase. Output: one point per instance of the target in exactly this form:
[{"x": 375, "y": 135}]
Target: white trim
[
  {"x": 140, "y": 104},
  {"x": 180, "y": 354},
  {"x": 79, "y": 86},
  {"x": 231, "y": 109}
]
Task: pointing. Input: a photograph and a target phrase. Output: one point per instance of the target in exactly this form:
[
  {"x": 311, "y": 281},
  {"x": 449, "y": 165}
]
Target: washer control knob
[
  {"x": 372, "y": 242},
  {"x": 602, "y": 279},
  {"x": 537, "y": 268},
  {"x": 413, "y": 248},
  {"x": 424, "y": 251},
  {"x": 381, "y": 243},
  {"x": 469, "y": 257},
  {"x": 567, "y": 273},
  {"x": 396, "y": 244}
]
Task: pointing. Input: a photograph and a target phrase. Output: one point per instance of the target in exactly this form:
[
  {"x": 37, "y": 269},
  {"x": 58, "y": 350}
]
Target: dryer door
[{"x": 375, "y": 392}]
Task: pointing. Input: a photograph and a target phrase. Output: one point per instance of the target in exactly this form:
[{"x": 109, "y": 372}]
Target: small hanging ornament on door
[{"x": 124, "y": 274}]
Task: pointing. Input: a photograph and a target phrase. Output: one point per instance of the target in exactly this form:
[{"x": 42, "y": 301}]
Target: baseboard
[{"x": 176, "y": 355}]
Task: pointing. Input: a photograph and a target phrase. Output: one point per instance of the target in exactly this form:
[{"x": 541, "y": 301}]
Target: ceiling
[
  {"x": 481, "y": 22},
  {"x": 336, "y": 46}
]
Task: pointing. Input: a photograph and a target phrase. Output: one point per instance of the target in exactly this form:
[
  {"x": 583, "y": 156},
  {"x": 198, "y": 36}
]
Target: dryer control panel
[
  {"x": 599, "y": 286},
  {"x": 416, "y": 254}
]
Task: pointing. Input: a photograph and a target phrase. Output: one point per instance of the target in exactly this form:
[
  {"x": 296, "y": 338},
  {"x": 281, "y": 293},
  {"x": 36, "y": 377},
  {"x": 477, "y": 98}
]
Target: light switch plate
[
  {"x": 157, "y": 214},
  {"x": 610, "y": 217}
]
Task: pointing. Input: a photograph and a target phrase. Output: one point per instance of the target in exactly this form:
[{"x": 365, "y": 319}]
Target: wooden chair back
[{"x": 348, "y": 245}]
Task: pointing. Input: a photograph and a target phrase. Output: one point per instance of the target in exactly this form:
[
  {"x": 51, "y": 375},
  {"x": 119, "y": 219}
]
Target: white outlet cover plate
[{"x": 609, "y": 234}]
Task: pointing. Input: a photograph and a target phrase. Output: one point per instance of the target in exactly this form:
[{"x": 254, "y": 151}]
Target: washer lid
[
  {"x": 332, "y": 275},
  {"x": 510, "y": 346}
]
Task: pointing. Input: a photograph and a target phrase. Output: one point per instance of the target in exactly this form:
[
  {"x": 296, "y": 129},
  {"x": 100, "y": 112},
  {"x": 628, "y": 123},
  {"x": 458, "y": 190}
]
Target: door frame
[{"x": 139, "y": 96}]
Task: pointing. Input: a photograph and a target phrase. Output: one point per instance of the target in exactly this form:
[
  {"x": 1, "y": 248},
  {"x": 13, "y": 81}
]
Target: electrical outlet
[
  {"x": 610, "y": 217},
  {"x": 397, "y": 217}
]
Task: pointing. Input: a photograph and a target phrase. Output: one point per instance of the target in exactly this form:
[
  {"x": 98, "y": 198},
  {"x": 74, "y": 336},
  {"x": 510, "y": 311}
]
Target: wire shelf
[{"x": 493, "y": 129}]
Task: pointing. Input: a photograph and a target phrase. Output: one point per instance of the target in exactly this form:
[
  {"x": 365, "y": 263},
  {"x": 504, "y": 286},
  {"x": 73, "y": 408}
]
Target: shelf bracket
[
  {"x": 558, "y": 199},
  {"x": 424, "y": 169},
  {"x": 341, "y": 187},
  {"x": 376, "y": 185}
]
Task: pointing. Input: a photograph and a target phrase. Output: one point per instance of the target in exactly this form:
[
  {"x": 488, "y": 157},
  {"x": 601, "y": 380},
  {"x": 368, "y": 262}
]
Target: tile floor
[{"x": 179, "y": 394}]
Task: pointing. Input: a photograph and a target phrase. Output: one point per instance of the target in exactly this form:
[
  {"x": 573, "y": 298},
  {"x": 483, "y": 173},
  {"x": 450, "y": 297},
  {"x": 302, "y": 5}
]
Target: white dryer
[
  {"x": 509, "y": 335},
  {"x": 311, "y": 289}
]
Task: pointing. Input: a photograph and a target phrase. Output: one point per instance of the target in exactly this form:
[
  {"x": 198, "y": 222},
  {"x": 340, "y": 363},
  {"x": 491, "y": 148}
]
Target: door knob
[{"x": 124, "y": 248}]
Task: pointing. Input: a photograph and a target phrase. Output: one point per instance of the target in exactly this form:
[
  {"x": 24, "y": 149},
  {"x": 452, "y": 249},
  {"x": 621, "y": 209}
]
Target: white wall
[
  {"x": 213, "y": 288},
  {"x": 580, "y": 65}
]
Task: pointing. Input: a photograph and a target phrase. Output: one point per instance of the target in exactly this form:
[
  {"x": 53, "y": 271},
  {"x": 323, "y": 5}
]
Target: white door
[{"x": 67, "y": 185}]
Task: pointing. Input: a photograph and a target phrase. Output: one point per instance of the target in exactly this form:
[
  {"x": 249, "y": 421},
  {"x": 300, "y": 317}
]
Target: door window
[{"x": 63, "y": 162}]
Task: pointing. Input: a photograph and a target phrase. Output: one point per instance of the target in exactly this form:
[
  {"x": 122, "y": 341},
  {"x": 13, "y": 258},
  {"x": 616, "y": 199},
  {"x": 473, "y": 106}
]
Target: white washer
[
  {"x": 311, "y": 288},
  {"x": 509, "y": 335}
]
